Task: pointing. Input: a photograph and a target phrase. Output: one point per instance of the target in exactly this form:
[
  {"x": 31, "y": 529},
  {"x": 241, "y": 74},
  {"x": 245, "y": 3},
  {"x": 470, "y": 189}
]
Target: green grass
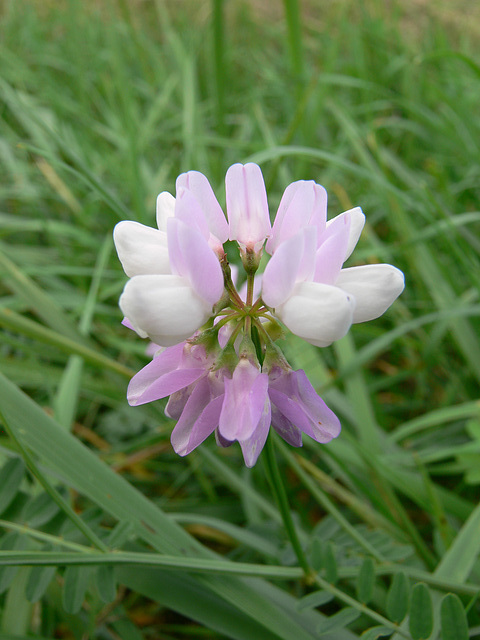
[{"x": 102, "y": 106}]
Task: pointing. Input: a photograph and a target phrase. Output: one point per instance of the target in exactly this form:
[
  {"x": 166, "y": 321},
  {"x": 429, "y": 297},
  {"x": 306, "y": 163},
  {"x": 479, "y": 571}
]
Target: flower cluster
[{"x": 215, "y": 354}]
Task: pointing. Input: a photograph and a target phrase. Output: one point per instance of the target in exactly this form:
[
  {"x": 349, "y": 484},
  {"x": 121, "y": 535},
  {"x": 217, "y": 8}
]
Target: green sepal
[{"x": 227, "y": 359}]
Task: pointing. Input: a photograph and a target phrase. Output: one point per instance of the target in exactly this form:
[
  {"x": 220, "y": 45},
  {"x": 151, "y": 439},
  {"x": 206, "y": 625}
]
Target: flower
[
  {"x": 217, "y": 362},
  {"x": 309, "y": 291},
  {"x": 247, "y": 206},
  {"x": 170, "y": 307}
]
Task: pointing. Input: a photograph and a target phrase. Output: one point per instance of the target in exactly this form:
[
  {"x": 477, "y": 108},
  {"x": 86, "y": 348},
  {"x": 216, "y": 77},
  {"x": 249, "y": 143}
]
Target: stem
[
  {"x": 250, "y": 285},
  {"x": 278, "y": 489},
  {"x": 229, "y": 286},
  {"x": 234, "y": 335},
  {"x": 343, "y": 597},
  {"x": 227, "y": 317}
]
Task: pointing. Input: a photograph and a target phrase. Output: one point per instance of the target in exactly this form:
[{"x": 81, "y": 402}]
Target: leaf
[
  {"x": 75, "y": 587},
  {"x": 126, "y": 630},
  {"x": 458, "y": 560},
  {"x": 11, "y": 475},
  {"x": 315, "y": 599},
  {"x": 79, "y": 468},
  {"x": 12, "y": 541},
  {"x": 454, "y": 624},
  {"x": 397, "y": 598},
  {"x": 377, "y": 632},
  {"x": 39, "y": 510},
  {"x": 366, "y": 580},
  {"x": 316, "y": 554},
  {"x": 421, "y": 612},
  {"x": 106, "y": 583},
  {"x": 339, "y": 620},
  {"x": 330, "y": 564},
  {"x": 38, "y": 581},
  {"x": 36, "y": 299}
]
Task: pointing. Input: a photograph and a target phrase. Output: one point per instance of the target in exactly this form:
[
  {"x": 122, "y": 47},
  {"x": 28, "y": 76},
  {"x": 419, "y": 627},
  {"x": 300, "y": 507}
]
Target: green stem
[
  {"x": 250, "y": 285},
  {"x": 348, "y": 600},
  {"x": 278, "y": 489}
]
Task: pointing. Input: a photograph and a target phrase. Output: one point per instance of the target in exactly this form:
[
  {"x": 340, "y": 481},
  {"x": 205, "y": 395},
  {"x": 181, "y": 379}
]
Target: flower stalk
[{"x": 278, "y": 489}]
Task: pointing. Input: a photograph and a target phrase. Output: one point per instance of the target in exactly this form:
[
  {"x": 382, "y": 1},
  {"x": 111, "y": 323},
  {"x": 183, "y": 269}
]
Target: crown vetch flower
[
  {"x": 247, "y": 206},
  {"x": 218, "y": 363},
  {"x": 169, "y": 308},
  {"x": 320, "y": 304}
]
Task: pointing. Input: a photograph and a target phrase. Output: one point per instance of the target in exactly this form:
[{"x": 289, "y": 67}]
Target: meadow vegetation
[{"x": 105, "y": 532}]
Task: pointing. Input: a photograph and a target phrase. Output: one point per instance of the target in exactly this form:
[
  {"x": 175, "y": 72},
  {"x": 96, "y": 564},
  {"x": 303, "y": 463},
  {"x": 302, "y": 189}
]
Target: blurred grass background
[{"x": 104, "y": 103}]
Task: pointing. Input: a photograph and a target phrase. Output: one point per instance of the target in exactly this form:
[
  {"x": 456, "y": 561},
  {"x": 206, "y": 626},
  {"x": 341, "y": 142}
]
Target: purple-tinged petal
[
  {"x": 177, "y": 401},
  {"x": 247, "y": 206},
  {"x": 326, "y": 423},
  {"x": 152, "y": 349},
  {"x": 294, "y": 397},
  {"x": 318, "y": 313},
  {"x": 244, "y": 402},
  {"x": 165, "y": 209},
  {"x": 192, "y": 258},
  {"x": 189, "y": 211},
  {"x": 304, "y": 203},
  {"x": 331, "y": 253},
  {"x": 200, "y": 187},
  {"x": 374, "y": 286},
  {"x": 293, "y": 412},
  {"x": 221, "y": 441},
  {"x": 126, "y": 323},
  {"x": 285, "y": 428},
  {"x": 357, "y": 222},
  {"x": 141, "y": 249},
  {"x": 292, "y": 262},
  {"x": 164, "y": 307},
  {"x": 162, "y": 387},
  {"x": 198, "y": 420},
  {"x": 252, "y": 446}
]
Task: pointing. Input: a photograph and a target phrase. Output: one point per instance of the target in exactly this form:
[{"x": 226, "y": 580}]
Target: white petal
[
  {"x": 141, "y": 249},
  {"x": 357, "y": 222},
  {"x": 374, "y": 286},
  {"x": 165, "y": 209},
  {"x": 200, "y": 188},
  {"x": 319, "y": 313},
  {"x": 164, "y": 307}
]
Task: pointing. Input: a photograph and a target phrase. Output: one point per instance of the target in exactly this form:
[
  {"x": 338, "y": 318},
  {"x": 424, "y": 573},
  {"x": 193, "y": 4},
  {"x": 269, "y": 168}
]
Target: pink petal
[
  {"x": 252, "y": 446},
  {"x": 192, "y": 258},
  {"x": 189, "y": 211},
  {"x": 244, "y": 402},
  {"x": 285, "y": 428},
  {"x": 200, "y": 187},
  {"x": 304, "y": 203},
  {"x": 331, "y": 253},
  {"x": 292, "y": 262},
  {"x": 162, "y": 387},
  {"x": 247, "y": 206},
  {"x": 198, "y": 420},
  {"x": 293, "y": 396},
  {"x": 357, "y": 222}
]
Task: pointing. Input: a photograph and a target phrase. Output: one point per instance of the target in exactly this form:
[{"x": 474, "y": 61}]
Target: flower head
[{"x": 217, "y": 362}]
